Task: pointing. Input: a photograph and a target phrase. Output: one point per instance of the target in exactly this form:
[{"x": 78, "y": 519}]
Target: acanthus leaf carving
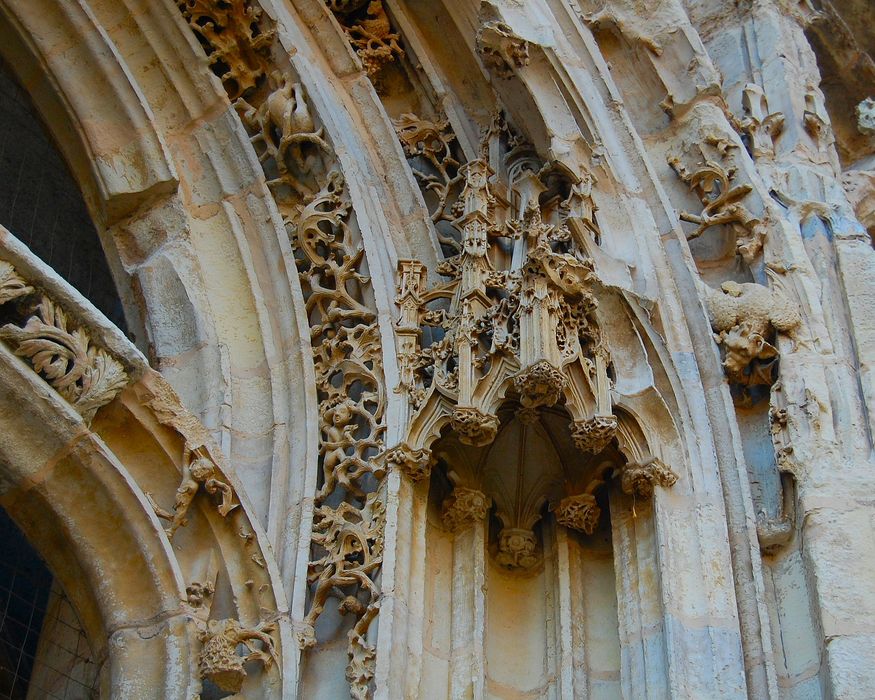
[
  {"x": 12, "y": 285},
  {"x": 85, "y": 375}
]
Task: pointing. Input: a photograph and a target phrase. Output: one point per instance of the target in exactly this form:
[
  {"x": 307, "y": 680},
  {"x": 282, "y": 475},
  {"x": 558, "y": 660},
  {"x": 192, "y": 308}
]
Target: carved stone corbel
[
  {"x": 473, "y": 426},
  {"x": 539, "y": 385},
  {"x": 593, "y": 434},
  {"x": 579, "y": 512},
  {"x": 639, "y": 479},
  {"x": 464, "y": 507},
  {"x": 219, "y": 661},
  {"x": 416, "y": 464},
  {"x": 517, "y": 549}
]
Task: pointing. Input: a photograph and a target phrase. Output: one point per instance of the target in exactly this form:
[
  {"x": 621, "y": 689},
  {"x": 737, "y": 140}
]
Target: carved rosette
[
  {"x": 416, "y": 464},
  {"x": 594, "y": 434},
  {"x": 219, "y": 661},
  {"x": 464, "y": 507},
  {"x": 639, "y": 479},
  {"x": 517, "y": 548},
  {"x": 473, "y": 426},
  {"x": 579, "y": 512},
  {"x": 539, "y": 385}
]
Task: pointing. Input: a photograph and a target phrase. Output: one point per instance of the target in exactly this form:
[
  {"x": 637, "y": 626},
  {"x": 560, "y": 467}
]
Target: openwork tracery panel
[{"x": 312, "y": 196}]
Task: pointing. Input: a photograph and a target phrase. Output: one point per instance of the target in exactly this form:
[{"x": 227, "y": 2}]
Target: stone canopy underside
[{"x": 472, "y": 348}]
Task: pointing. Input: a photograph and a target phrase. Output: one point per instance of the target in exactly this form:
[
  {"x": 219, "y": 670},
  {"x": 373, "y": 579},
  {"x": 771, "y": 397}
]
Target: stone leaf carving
[
  {"x": 416, "y": 464},
  {"x": 594, "y": 434},
  {"x": 744, "y": 317},
  {"x": 539, "y": 385},
  {"x": 722, "y": 205},
  {"x": 235, "y": 38},
  {"x": 639, "y": 479},
  {"x": 63, "y": 354},
  {"x": 219, "y": 660},
  {"x": 301, "y": 169},
  {"x": 503, "y": 50},
  {"x": 579, "y": 512},
  {"x": 12, "y": 285},
  {"x": 198, "y": 469},
  {"x": 464, "y": 507},
  {"x": 473, "y": 426}
]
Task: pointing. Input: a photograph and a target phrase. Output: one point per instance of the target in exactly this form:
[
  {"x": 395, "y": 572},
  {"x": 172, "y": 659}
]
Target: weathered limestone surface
[{"x": 485, "y": 349}]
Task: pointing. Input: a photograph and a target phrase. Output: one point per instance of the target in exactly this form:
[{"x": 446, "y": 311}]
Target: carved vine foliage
[
  {"x": 59, "y": 348},
  {"x": 721, "y": 201},
  {"x": 236, "y": 38},
  {"x": 369, "y": 32},
  {"x": 302, "y": 171}
]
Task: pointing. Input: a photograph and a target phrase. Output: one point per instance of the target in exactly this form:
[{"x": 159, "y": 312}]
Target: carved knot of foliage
[{"x": 85, "y": 375}]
